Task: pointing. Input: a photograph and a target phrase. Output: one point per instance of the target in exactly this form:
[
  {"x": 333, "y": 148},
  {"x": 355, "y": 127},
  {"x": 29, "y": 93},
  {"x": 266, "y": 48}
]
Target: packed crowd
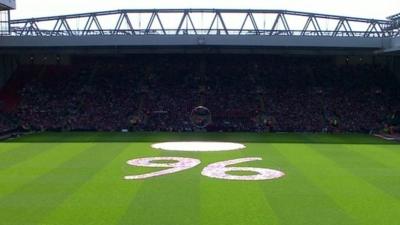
[
  {"x": 7, "y": 122},
  {"x": 251, "y": 93}
]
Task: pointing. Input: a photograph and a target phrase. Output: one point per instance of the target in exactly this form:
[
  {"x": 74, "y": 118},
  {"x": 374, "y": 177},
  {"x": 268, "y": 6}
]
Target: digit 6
[{"x": 219, "y": 170}]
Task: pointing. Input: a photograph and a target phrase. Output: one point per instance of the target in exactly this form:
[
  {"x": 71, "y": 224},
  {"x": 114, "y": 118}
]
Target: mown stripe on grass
[
  {"x": 5, "y": 147},
  {"x": 370, "y": 163},
  {"x": 24, "y": 172},
  {"x": 294, "y": 198},
  {"x": 30, "y": 203},
  {"x": 227, "y": 202},
  {"x": 380, "y": 153},
  {"x": 361, "y": 200},
  {"x": 395, "y": 147},
  {"x": 103, "y": 199},
  {"x": 165, "y": 200},
  {"x": 23, "y": 153},
  {"x": 235, "y": 202}
]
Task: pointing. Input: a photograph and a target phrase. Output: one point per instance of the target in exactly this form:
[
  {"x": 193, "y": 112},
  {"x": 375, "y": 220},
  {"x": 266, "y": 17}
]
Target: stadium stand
[{"x": 243, "y": 92}]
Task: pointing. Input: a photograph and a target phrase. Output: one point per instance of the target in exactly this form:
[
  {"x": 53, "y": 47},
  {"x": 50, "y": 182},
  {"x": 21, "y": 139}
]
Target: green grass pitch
[{"x": 77, "y": 179}]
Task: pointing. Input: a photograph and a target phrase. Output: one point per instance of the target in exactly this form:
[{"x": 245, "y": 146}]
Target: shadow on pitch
[{"x": 110, "y": 137}]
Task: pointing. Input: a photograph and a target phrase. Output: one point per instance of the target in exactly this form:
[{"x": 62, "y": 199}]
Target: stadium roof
[
  {"x": 394, "y": 17},
  {"x": 171, "y": 28},
  {"x": 202, "y": 21},
  {"x": 7, "y": 4}
]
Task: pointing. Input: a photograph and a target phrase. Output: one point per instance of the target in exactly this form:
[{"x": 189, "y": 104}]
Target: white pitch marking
[
  {"x": 198, "y": 146},
  {"x": 219, "y": 170},
  {"x": 173, "y": 167}
]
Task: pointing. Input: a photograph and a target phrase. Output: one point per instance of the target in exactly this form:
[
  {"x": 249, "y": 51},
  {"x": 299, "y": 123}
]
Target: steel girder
[
  {"x": 203, "y": 22},
  {"x": 395, "y": 23}
]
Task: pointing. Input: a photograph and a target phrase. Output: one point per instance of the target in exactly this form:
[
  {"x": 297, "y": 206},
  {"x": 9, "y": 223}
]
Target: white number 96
[{"x": 215, "y": 170}]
